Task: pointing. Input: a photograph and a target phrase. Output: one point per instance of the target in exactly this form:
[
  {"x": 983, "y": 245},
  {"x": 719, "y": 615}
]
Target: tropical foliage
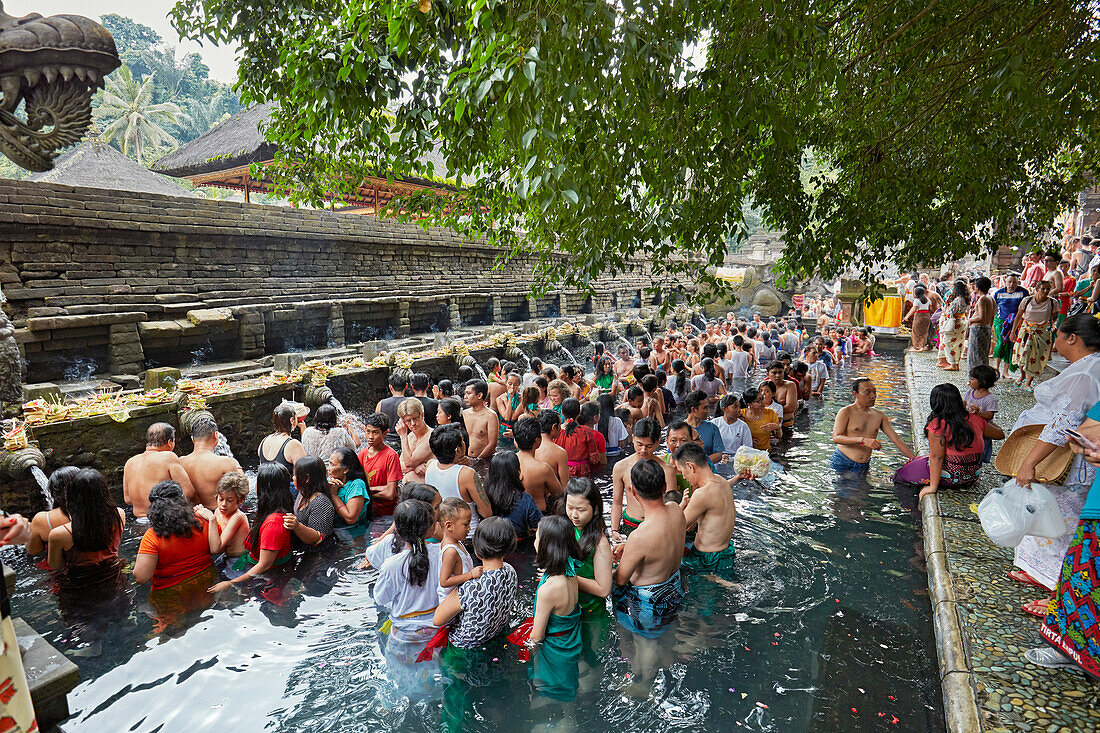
[
  {"x": 133, "y": 122},
  {"x": 605, "y": 130}
]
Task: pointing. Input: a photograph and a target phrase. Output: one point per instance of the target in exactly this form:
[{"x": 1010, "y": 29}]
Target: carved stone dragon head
[{"x": 53, "y": 66}]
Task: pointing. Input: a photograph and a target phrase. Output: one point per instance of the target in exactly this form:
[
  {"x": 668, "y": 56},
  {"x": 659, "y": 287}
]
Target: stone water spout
[
  {"x": 52, "y": 66},
  {"x": 16, "y": 465},
  {"x": 317, "y": 395}
]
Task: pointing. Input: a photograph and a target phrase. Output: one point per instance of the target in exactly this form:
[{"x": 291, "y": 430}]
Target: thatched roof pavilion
[
  {"x": 98, "y": 165},
  {"x": 223, "y": 155}
]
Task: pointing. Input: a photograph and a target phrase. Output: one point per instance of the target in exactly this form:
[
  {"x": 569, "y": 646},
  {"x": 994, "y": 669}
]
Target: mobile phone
[{"x": 1082, "y": 441}]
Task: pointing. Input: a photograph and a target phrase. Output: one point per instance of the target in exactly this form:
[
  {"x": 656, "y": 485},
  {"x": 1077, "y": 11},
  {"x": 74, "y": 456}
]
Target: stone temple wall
[{"x": 117, "y": 282}]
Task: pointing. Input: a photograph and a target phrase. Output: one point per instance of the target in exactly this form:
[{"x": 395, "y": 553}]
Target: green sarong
[{"x": 720, "y": 562}]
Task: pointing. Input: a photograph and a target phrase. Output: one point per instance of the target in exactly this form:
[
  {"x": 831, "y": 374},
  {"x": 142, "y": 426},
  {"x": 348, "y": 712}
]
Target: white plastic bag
[
  {"x": 756, "y": 462},
  {"x": 1048, "y": 517},
  {"x": 1008, "y": 513}
]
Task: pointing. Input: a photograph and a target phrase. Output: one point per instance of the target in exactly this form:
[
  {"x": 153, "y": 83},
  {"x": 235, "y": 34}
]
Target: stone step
[
  {"x": 50, "y": 675},
  {"x": 220, "y": 369}
]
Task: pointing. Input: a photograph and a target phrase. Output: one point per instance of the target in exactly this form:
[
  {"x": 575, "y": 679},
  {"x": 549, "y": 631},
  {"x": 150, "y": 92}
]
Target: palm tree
[{"x": 134, "y": 121}]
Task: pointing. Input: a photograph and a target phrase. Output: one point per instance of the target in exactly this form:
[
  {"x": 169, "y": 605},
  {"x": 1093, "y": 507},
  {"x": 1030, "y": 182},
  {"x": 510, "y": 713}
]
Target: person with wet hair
[
  {"x": 86, "y": 548},
  {"x": 408, "y": 581},
  {"x": 856, "y": 428},
  {"x": 325, "y": 435},
  {"x": 176, "y": 547},
  {"x": 158, "y": 463},
  {"x": 709, "y": 509},
  {"x": 626, "y": 511},
  {"x": 584, "y": 508},
  {"x": 648, "y": 592},
  {"x": 45, "y": 522},
  {"x": 540, "y": 481},
  {"x": 482, "y": 424},
  {"x": 549, "y": 452},
  {"x": 478, "y": 611},
  {"x": 314, "y": 514},
  {"x": 555, "y": 629},
  {"x": 508, "y": 497},
  {"x": 205, "y": 467}
]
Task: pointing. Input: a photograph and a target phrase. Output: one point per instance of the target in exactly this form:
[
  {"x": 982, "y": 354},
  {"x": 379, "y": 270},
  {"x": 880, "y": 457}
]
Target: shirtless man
[
  {"x": 980, "y": 334},
  {"x": 627, "y": 513},
  {"x": 413, "y": 432},
  {"x": 709, "y": 507},
  {"x": 1052, "y": 274},
  {"x": 653, "y": 402},
  {"x": 548, "y": 451},
  {"x": 856, "y": 429},
  {"x": 204, "y": 468},
  {"x": 540, "y": 480},
  {"x": 635, "y": 398},
  {"x": 650, "y": 592},
  {"x": 660, "y": 358},
  {"x": 624, "y": 365},
  {"x": 158, "y": 463},
  {"x": 786, "y": 394},
  {"x": 482, "y": 424}
]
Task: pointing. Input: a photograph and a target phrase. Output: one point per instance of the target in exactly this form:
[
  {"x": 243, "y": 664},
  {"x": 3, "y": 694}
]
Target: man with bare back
[
  {"x": 203, "y": 466},
  {"x": 856, "y": 429},
  {"x": 158, "y": 463},
  {"x": 540, "y": 480}
]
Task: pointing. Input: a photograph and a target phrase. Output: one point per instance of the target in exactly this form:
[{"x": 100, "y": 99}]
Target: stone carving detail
[
  {"x": 11, "y": 363},
  {"x": 53, "y": 66}
]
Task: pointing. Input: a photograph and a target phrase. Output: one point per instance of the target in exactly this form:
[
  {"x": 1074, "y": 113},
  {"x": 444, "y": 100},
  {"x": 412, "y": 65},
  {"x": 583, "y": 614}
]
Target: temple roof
[
  {"x": 96, "y": 164},
  {"x": 238, "y": 142},
  {"x": 230, "y": 144}
]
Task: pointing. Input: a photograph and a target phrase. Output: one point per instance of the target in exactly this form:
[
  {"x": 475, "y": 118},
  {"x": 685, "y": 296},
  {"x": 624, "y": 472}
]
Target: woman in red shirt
[
  {"x": 579, "y": 443},
  {"x": 956, "y": 439},
  {"x": 175, "y": 547},
  {"x": 269, "y": 542}
]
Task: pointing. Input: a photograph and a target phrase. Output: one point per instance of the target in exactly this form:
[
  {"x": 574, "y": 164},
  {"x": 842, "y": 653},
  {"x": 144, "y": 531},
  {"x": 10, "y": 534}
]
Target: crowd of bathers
[{"x": 452, "y": 475}]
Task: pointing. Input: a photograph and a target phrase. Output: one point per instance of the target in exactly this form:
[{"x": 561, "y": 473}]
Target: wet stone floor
[{"x": 1012, "y": 695}]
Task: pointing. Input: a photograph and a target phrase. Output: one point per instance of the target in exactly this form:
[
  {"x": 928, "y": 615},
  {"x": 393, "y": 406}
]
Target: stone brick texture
[{"x": 77, "y": 262}]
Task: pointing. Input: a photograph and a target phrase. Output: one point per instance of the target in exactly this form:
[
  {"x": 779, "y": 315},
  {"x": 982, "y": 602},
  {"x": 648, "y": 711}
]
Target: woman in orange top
[
  {"x": 763, "y": 422},
  {"x": 581, "y": 448},
  {"x": 176, "y": 547}
]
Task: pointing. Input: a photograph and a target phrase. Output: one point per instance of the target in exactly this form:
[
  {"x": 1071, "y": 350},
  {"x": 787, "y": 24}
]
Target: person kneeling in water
[
  {"x": 648, "y": 592},
  {"x": 709, "y": 507}
]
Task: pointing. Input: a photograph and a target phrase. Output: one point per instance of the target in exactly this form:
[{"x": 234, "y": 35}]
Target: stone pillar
[
  {"x": 404, "y": 326},
  {"x": 495, "y": 314},
  {"x": 251, "y": 330},
  {"x": 532, "y": 308},
  {"x": 124, "y": 352},
  {"x": 336, "y": 326},
  {"x": 562, "y": 303},
  {"x": 456, "y": 314}
]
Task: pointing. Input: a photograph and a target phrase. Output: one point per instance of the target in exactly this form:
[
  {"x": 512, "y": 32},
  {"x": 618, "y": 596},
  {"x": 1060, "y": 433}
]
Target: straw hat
[{"x": 1051, "y": 470}]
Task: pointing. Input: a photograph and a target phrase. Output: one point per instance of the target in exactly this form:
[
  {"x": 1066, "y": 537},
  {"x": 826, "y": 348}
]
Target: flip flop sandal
[
  {"x": 1031, "y": 609},
  {"x": 1021, "y": 577}
]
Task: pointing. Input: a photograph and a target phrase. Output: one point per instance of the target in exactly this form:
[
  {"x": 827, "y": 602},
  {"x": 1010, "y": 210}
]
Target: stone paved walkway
[{"x": 1011, "y": 694}]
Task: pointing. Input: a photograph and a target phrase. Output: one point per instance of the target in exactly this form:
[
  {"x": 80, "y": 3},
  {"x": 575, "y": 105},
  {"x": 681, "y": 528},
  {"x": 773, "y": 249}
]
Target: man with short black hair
[
  {"x": 397, "y": 383},
  {"x": 708, "y": 507},
  {"x": 626, "y": 512},
  {"x": 698, "y": 411},
  {"x": 856, "y": 429},
  {"x": 548, "y": 451},
  {"x": 482, "y": 424},
  {"x": 540, "y": 479},
  {"x": 648, "y": 592},
  {"x": 980, "y": 335},
  {"x": 420, "y": 383},
  {"x": 158, "y": 463},
  {"x": 381, "y": 463},
  {"x": 204, "y": 467}
]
